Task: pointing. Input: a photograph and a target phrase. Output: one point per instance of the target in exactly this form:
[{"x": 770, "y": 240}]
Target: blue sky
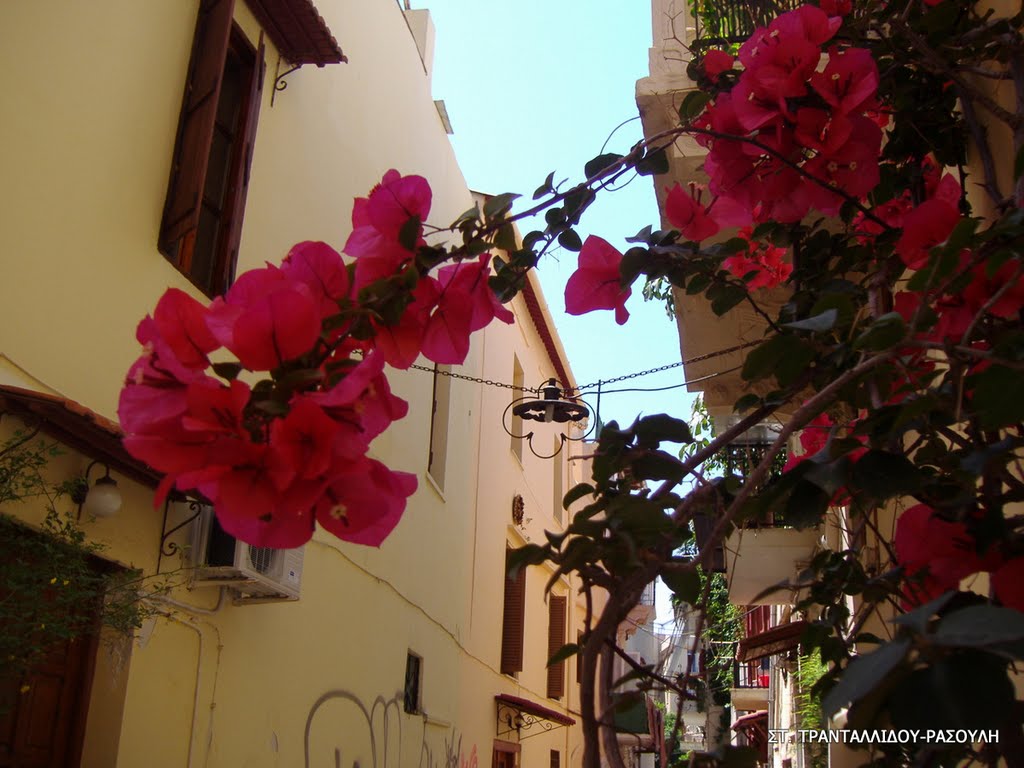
[{"x": 537, "y": 86}]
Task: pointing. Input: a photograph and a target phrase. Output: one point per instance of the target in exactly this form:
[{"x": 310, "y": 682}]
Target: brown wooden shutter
[
  {"x": 241, "y": 183},
  {"x": 513, "y": 620},
  {"x": 195, "y": 129},
  {"x": 556, "y": 639}
]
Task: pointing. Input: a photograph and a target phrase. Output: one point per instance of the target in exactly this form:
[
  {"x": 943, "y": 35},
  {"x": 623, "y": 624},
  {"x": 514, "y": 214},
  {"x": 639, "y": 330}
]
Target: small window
[
  {"x": 556, "y": 759},
  {"x": 413, "y": 672},
  {"x": 202, "y": 220},
  {"x": 513, "y": 620},
  {"x": 557, "y": 609},
  {"x": 517, "y": 421},
  {"x": 439, "y": 424}
]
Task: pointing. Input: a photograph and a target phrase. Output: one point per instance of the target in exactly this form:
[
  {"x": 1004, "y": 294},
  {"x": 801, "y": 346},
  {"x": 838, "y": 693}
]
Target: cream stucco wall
[{"x": 89, "y": 126}]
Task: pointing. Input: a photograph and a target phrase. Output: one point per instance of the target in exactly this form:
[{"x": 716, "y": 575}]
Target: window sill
[{"x": 436, "y": 488}]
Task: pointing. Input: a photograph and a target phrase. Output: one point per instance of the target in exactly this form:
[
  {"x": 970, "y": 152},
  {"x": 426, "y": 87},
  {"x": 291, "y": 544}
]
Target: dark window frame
[
  {"x": 412, "y": 701},
  {"x": 218, "y": 44},
  {"x": 513, "y": 620}
]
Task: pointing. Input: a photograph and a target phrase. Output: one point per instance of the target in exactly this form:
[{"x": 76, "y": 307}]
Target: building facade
[{"x": 176, "y": 144}]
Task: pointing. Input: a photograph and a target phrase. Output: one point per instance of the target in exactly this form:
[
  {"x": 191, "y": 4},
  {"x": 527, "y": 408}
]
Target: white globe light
[{"x": 104, "y": 498}]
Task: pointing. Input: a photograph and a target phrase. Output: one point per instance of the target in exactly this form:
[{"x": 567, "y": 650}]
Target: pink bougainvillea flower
[
  {"x": 364, "y": 398},
  {"x": 214, "y": 408},
  {"x": 266, "y": 319},
  {"x": 377, "y": 222},
  {"x": 983, "y": 288},
  {"x": 836, "y": 7},
  {"x": 181, "y": 322},
  {"x": 400, "y": 344},
  {"x": 935, "y": 553},
  {"x": 470, "y": 279},
  {"x": 252, "y": 509},
  {"x": 321, "y": 268},
  {"x": 446, "y": 335},
  {"x": 849, "y": 81},
  {"x": 813, "y": 438},
  {"x": 764, "y": 261},
  {"x": 716, "y": 62},
  {"x": 307, "y": 442},
  {"x": 597, "y": 281},
  {"x": 925, "y": 227},
  {"x": 1008, "y": 583},
  {"x": 365, "y": 503},
  {"x": 687, "y": 214}
]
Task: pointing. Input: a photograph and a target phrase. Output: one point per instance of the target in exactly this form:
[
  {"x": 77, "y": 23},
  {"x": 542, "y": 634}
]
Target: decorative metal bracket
[
  {"x": 280, "y": 83},
  {"x": 512, "y": 719},
  {"x": 171, "y": 548}
]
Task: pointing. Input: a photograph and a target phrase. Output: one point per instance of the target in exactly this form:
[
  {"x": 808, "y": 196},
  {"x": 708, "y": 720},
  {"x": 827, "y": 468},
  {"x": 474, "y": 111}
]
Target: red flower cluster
[
  {"x": 937, "y": 554},
  {"x": 762, "y": 261},
  {"x": 806, "y": 129},
  {"x": 291, "y": 451}
]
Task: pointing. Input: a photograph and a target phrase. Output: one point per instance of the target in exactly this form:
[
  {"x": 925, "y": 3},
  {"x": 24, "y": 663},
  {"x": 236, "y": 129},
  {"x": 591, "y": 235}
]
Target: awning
[
  {"x": 516, "y": 715},
  {"x": 775, "y": 640},
  {"x": 77, "y": 427},
  {"x": 298, "y": 30},
  {"x": 753, "y": 720}
]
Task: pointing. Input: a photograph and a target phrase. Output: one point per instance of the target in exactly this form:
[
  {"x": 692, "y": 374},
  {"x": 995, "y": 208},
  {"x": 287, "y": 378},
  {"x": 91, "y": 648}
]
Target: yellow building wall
[{"x": 86, "y": 142}]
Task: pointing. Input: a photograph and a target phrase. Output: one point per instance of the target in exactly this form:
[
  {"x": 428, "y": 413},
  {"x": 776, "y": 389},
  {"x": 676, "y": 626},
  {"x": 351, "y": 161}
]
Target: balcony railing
[
  {"x": 749, "y": 675},
  {"x": 741, "y": 458},
  {"x": 723, "y": 22}
]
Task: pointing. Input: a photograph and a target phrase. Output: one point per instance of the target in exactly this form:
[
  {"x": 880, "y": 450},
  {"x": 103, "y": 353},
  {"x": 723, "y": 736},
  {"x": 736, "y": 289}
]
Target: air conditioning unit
[{"x": 253, "y": 574}]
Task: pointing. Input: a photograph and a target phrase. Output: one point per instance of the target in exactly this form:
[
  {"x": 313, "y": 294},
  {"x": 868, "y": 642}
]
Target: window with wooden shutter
[
  {"x": 437, "y": 459},
  {"x": 556, "y": 639},
  {"x": 202, "y": 219},
  {"x": 556, "y": 759},
  {"x": 512, "y": 620}
]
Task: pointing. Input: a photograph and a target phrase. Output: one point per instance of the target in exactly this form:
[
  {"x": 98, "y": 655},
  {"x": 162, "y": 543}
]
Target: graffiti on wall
[{"x": 342, "y": 731}]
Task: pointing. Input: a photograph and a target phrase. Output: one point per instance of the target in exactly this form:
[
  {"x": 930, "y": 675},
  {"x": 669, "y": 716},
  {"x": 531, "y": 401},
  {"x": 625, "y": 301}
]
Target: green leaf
[
  {"x": 599, "y": 163},
  {"x": 545, "y": 188},
  {"x": 657, "y": 465},
  {"x": 685, "y": 585},
  {"x": 693, "y": 105},
  {"x": 918, "y": 618},
  {"x": 884, "y": 474},
  {"x": 746, "y": 403},
  {"x": 998, "y": 396},
  {"x": 570, "y": 241},
  {"x": 864, "y": 673},
  {"x": 506, "y": 238},
  {"x": 725, "y": 297},
  {"x": 968, "y": 690},
  {"x": 576, "y": 493},
  {"x": 822, "y": 322},
  {"x": 697, "y": 284},
  {"x": 887, "y": 331},
  {"x": 528, "y": 554},
  {"x": 651, "y": 430},
  {"x": 634, "y": 262},
  {"x": 565, "y": 652},
  {"x": 980, "y": 625},
  {"x": 654, "y": 163},
  {"x": 499, "y": 205},
  {"x": 409, "y": 234}
]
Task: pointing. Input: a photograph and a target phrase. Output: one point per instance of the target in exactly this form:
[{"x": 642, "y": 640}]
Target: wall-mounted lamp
[{"x": 101, "y": 500}]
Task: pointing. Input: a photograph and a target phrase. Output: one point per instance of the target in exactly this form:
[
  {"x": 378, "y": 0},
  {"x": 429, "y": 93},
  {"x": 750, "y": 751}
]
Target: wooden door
[{"x": 42, "y": 714}]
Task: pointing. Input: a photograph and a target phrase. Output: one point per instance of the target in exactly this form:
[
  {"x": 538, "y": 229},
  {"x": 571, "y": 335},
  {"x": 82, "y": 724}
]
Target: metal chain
[
  {"x": 638, "y": 374},
  {"x": 475, "y": 380},
  {"x": 659, "y": 369}
]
